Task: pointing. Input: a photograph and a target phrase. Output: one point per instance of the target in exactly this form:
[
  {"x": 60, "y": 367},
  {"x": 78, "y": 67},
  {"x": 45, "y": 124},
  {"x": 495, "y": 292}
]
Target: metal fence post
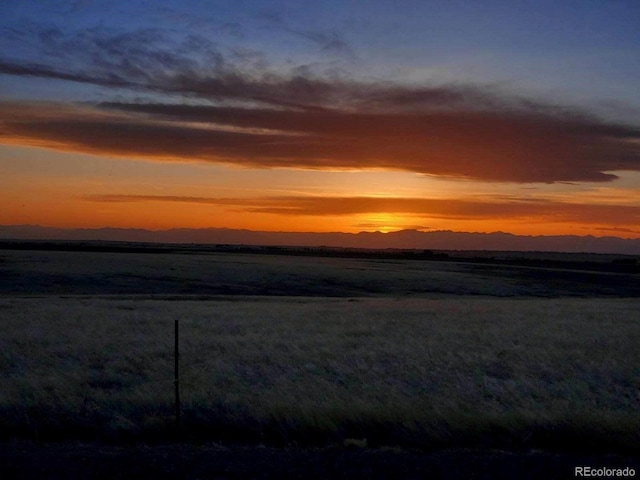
[{"x": 176, "y": 379}]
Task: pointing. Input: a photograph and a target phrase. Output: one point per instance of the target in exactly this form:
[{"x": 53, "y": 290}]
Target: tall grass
[{"x": 451, "y": 371}]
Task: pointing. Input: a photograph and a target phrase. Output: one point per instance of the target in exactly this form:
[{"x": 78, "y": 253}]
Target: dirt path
[{"x": 29, "y": 460}]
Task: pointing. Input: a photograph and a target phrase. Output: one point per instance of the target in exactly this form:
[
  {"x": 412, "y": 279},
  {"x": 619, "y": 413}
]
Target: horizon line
[{"x": 417, "y": 230}]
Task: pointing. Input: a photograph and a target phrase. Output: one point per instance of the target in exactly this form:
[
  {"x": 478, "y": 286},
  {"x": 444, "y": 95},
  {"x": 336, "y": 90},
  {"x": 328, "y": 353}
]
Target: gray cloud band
[
  {"x": 487, "y": 146},
  {"x": 257, "y": 118}
]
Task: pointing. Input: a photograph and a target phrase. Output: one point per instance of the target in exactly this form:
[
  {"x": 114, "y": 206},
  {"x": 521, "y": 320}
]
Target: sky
[{"x": 333, "y": 116}]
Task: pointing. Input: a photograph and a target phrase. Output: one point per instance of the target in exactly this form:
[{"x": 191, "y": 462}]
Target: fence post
[{"x": 176, "y": 379}]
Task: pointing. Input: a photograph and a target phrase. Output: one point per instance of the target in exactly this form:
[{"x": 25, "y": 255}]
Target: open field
[
  {"x": 532, "y": 368},
  {"x": 98, "y": 272},
  {"x": 468, "y": 371}
]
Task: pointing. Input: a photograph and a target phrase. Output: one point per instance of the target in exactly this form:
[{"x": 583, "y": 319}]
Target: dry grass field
[
  {"x": 560, "y": 373},
  {"x": 302, "y": 351}
]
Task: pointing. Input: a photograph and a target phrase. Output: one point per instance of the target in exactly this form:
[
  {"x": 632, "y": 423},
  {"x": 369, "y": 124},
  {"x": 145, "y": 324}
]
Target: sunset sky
[{"x": 519, "y": 116}]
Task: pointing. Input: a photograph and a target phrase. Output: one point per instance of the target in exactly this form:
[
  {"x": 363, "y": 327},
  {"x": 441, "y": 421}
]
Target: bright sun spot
[{"x": 381, "y": 222}]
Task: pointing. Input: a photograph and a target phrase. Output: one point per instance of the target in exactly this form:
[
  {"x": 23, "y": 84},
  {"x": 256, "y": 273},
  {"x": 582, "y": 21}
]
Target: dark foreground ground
[
  {"x": 26, "y": 272},
  {"x": 159, "y": 272},
  {"x": 29, "y": 460}
]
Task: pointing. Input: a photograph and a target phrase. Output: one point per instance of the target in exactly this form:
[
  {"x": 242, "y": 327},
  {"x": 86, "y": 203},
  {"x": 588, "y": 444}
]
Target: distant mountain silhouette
[{"x": 410, "y": 239}]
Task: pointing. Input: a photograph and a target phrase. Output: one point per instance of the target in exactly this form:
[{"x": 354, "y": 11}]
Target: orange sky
[
  {"x": 64, "y": 189},
  {"x": 322, "y": 118}
]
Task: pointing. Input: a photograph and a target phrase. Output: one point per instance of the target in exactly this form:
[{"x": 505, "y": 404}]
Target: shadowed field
[
  {"x": 85, "y": 272},
  {"x": 242, "y": 462},
  {"x": 559, "y": 373},
  {"x": 300, "y": 351}
]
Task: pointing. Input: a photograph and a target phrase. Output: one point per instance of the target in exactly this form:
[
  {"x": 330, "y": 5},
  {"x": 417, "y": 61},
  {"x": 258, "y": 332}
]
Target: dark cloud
[
  {"x": 192, "y": 65},
  {"x": 43, "y": 71},
  {"x": 160, "y": 61},
  {"x": 296, "y": 119},
  {"x": 461, "y": 209},
  {"x": 138, "y": 59},
  {"x": 490, "y": 146},
  {"x": 617, "y": 229},
  {"x": 329, "y": 41}
]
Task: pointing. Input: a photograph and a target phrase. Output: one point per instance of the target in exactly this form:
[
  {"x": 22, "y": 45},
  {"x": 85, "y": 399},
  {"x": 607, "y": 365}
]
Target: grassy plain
[
  {"x": 198, "y": 272},
  {"x": 318, "y": 351},
  {"x": 463, "y": 371}
]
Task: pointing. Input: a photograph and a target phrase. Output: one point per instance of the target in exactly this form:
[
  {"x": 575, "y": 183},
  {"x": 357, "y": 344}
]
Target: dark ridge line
[{"x": 625, "y": 264}]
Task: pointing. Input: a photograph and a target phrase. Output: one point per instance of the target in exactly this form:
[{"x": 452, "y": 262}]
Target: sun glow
[{"x": 382, "y": 222}]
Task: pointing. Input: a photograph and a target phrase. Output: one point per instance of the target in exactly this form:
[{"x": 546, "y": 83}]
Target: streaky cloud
[
  {"x": 471, "y": 208},
  {"x": 486, "y": 146},
  {"x": 309, "y": 121}
]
